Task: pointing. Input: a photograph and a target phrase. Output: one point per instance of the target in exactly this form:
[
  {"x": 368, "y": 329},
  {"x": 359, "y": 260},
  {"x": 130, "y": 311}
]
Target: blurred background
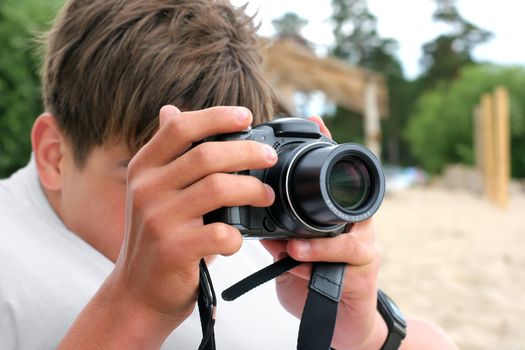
[{"x": 436, "y": 88}]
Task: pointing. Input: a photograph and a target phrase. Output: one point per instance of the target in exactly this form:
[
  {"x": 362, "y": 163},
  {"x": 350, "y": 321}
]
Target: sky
[{"x": 503, "y": 17}]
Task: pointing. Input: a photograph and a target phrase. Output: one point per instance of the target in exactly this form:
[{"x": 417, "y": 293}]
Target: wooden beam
[{"x": 290, "y": 63}]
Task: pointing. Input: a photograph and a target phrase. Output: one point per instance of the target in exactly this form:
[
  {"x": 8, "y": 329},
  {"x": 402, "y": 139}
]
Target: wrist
[
  {"x": 114, "y": 319},
  {"x": 146, "y": 325},
  {"x": 373, "y": 340},
  {"x": 377, "y": 336}
]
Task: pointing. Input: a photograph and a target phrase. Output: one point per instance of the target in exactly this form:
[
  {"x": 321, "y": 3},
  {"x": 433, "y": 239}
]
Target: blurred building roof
[{"x": 291, "y": 66}]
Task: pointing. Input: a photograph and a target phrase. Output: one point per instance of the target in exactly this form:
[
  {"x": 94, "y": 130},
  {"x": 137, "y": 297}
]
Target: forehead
[{"x": 111, "y": 154}]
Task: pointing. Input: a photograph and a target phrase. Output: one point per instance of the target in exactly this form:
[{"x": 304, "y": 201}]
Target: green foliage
[
  {"x": 358, "y": 42},
  {"x": 346, "y": 126},
  {"x": 440, "y": 130},
  {"x": 445, "y": 56},
  {"x": 289, "y": 24},
  {"x": 20, "y": 21}
]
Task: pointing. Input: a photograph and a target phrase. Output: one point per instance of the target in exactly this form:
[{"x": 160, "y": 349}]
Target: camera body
[{"x": 319, "y": 186}]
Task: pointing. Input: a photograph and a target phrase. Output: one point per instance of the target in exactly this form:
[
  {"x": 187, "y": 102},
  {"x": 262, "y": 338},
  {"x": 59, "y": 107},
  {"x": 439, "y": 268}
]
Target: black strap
[
  {"x": 319, "y": 313},
  {"x": 320, "y": 310},
  {"x": 256, "y": 279},
  {"x": 207, "y": 303},
  {"x": 318, "y": 320}
]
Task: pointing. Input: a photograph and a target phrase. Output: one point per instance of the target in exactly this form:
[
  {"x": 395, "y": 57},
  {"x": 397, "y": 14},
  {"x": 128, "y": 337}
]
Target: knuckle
[
  {"x": 364, "y": 253},
  {"x": 227, "y": 237},
  {"x": 203, "y": 153},
  {"x": 221, "y": 232},
  {"x": 150, "y": 223},
  {"x": 133, "y": 167},
  {"x": 176, "y": 125},
  {"x": 215, "y": 185},
  {"x": 139, "y": 191}
]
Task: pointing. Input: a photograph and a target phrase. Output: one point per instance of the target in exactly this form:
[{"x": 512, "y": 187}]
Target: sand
[{"x": 452, "y": 257}]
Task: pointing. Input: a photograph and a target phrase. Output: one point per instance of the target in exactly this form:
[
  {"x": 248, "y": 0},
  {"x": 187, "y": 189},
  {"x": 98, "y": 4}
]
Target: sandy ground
[{"x": 454, "y": 258}]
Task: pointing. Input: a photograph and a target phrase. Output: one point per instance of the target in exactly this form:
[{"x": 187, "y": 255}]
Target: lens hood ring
[{"x": 296, "y": 156}]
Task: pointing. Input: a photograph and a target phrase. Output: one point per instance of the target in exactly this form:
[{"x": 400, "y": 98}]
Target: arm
[
  {"x": 153, "y": 287},
  {"x": 426, "y": 335},
  {"x": 358, "y": 325}
]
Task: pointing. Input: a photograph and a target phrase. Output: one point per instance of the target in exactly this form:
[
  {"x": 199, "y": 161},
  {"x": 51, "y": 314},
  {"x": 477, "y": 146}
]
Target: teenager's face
[{"x": 93, "y": 197}]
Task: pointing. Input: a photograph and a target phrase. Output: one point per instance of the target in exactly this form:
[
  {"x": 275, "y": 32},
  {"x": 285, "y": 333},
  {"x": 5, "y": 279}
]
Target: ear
[{"x": 48, "y": 147}]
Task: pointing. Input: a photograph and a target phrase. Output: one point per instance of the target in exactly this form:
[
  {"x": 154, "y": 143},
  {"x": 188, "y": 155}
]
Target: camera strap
[
  {"x": 319, "y": 313},
  {"x": 207, "y": 303}
]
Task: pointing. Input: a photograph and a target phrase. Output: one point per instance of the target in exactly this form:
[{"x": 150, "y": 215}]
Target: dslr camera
[{"x": 320, "y": 186}]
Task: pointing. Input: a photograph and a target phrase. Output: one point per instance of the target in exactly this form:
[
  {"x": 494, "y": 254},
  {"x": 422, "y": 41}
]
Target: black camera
[{"x": 320, "y": 186}]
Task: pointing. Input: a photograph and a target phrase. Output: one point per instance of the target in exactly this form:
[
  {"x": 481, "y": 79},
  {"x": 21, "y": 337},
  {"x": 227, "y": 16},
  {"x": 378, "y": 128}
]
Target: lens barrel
[{"x": 325, "y": 186}]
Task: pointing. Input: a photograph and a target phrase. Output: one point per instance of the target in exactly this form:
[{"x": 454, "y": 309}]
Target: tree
[
  {"x": 289, "y": 25},
  {"x": 20, "y": 21},
  {"x": 358, "y": 42},
  {"x": 440, "y": 130},
  {"x": 446, "y": 55}
]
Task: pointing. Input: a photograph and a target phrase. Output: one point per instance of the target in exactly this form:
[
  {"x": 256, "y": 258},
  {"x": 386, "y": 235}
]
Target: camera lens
[
  {"x": 325, "y": 185},
  {"x": 349, "y": 183}
]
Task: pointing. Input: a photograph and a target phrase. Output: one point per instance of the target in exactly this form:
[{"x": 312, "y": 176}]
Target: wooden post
[
  {"x": 477, "y": 184},
  {"x": 487, "y": 110},
  {"x": 372, "y": 122},
  {"x": 477, "y": 121},
  {"x": 501, "y": 147}
]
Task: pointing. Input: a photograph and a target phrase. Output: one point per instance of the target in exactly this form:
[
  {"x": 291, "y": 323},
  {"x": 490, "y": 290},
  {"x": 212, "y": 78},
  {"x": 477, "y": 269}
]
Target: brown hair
[{"x": 111, "y": 64}]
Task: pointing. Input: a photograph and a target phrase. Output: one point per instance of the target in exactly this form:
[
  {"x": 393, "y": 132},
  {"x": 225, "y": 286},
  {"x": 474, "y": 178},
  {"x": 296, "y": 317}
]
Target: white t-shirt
[{"x": 48, "y": 274}]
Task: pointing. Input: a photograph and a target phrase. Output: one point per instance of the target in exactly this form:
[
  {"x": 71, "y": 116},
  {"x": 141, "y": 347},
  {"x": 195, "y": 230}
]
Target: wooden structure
[
  {"x": 292, "y": 67},
  {"x": 492, "y": 144}
]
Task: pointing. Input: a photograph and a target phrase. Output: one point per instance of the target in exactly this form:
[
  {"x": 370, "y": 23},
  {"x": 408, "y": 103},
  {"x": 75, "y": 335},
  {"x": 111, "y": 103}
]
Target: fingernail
[
  {"x": 271, "y": 155},
  {"x": 242, "y": 114},
  {"x": 270, "y": 193},
  {"x": 303, "y": 247}
]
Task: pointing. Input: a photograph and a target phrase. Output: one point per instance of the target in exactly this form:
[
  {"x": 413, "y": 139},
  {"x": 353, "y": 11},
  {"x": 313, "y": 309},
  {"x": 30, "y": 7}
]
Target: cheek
[
  {"x": 110, "y": 209},
  {"x": 96, "y": 210}
]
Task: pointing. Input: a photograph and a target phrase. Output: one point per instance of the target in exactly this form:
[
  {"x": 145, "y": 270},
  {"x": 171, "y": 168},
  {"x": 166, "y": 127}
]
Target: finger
[
  {"x": 223, "y": 190},
  {"x": 355, "y": 247},
  {"x": 214, "y": 157},
  {"x": 303, "y": 271},
  {"x": 276, "y": 247},
  {"x": 319, "y": 121},
  {"x": 167, "y": 112},
  {"x": 194, "y": 243},
  {"x": 178, "y": 131},
  {"x": 215, "y": 238}
]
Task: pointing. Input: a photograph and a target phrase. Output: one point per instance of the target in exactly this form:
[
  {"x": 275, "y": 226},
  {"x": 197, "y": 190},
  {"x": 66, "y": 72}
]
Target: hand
[
  {"x": 358, "y": 325},
  {"x": 170, "y": 186}
]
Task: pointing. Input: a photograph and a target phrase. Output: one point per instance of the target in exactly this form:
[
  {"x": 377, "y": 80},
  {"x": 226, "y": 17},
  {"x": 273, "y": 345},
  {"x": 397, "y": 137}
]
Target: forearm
[
  {"x": 422, "y": 334},
  {"x": 112, "y": 320}
]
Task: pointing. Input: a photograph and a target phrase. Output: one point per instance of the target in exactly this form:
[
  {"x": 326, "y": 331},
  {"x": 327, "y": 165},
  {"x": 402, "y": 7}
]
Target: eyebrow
[{"x": 124, "y": 163}]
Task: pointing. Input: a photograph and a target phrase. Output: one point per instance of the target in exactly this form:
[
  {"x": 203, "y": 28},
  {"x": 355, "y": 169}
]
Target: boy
[{"x": 107, "y": 217}]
